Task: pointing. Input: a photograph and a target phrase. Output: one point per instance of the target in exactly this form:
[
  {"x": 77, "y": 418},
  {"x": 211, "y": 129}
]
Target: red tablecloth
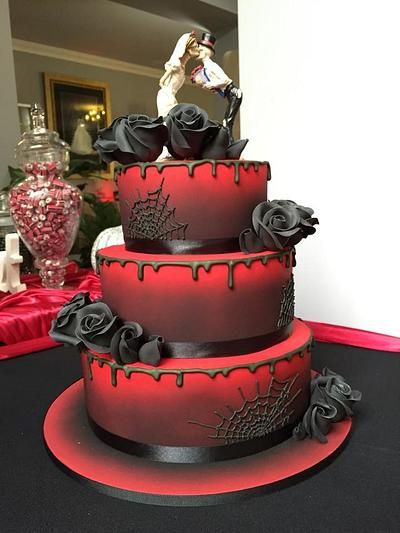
[{"x": 25, "y": 317}]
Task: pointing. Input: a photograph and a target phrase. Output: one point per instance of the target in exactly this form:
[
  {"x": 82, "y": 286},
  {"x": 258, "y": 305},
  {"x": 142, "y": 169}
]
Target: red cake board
[{"x": 75, "y": 448}]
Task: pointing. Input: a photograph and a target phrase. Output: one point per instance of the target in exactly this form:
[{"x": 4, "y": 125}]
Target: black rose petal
[
  {"x": 96, "y": 326},
  {"x": 249, "y": 242},
  {"x": 177, "y": 145},
  {"x": 125, "y": 343},
  {"x": 150, "y": 352},
  {"x": 64, "y": 325},
  {"x": 236, "y": 148},
  {"x": 132, "y": 138}
]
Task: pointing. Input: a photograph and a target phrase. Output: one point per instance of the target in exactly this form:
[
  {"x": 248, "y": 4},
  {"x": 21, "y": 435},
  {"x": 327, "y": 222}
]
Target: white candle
[{"x": 10, "y": 259}]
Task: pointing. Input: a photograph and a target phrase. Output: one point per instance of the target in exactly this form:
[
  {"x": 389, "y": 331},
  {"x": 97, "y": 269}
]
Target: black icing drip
[
  {"x": 157, "y": 373},
  {"x": 284, "y": 256},
  {"x": 192, "y": 165}
]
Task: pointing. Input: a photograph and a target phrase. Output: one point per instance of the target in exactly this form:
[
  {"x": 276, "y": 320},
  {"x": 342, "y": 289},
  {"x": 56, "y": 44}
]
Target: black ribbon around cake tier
[
  {"x": 182, "y": 246},
  {"x": 201, "y": 350},
  {"x": 192, "y": 454}
]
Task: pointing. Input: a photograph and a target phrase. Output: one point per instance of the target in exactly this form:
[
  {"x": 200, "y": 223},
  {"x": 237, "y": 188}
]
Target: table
[{"x": 358, "y": 492}]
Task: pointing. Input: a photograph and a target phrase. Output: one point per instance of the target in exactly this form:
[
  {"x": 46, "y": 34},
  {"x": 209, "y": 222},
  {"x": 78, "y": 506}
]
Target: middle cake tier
[{"x": 202, "y": 305}]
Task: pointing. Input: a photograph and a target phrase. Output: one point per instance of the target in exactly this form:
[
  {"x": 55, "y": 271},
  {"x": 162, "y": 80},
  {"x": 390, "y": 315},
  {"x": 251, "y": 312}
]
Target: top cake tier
[{"x": 189, "y": 207}]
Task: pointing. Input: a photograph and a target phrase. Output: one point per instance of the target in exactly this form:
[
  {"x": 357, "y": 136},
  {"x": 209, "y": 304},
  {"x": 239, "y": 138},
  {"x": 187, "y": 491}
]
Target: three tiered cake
[{"x": 193, "y": 356}]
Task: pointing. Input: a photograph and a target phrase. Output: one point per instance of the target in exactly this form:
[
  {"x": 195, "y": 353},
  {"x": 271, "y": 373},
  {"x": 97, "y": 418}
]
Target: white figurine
[
  {"x": 174, "y": 76},
  {"x": 10, "y": 259},
  {"x": 212, "y": 77}
]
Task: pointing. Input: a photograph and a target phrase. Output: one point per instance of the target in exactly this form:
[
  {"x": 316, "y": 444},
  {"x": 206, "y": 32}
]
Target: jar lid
[{"x": 41, "y": 144}]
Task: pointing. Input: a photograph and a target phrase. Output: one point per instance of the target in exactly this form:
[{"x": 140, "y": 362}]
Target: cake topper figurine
[
  {"x": 174, "y": 76},
  {"x": 210, "y": 76},
  {"x": 182, "y": 131}
]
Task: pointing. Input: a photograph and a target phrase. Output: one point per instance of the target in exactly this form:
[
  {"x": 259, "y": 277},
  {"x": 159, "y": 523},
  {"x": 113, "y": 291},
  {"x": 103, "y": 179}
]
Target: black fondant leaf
[
  {"x": 150, "y": 351},
  {"x": 217, "y": 146},
  {"x": 236, "y": 148}
]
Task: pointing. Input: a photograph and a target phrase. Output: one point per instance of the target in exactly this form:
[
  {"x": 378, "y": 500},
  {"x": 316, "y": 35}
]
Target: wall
[
  {"x": 130, "y": 93},
  {"x": 325, "y": 110},
  {"x": 9, "y": 124}
]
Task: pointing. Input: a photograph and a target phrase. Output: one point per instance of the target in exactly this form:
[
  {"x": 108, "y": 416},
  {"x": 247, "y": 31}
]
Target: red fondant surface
[
  {"x": 213, "y": 207},
  {"x": 168, "y": 301},
  {"x": 157, "y": 409},
  {"x": 76, "y": 448}
]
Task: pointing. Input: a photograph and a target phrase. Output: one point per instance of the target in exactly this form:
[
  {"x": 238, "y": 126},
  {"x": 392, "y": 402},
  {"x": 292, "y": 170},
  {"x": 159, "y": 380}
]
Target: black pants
[{"x": 234, "y": 96}]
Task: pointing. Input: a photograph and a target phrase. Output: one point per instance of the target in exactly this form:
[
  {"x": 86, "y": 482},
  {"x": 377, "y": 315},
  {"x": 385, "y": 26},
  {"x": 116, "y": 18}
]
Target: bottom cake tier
[{"x": 200, "y": 410}]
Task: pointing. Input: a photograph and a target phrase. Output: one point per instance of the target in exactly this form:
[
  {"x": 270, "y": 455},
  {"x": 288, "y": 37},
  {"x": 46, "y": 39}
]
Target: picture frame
[{"x": 77, "y": 108}]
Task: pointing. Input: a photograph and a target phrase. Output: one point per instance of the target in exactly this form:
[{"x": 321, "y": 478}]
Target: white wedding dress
[{"x": 82, "y": 141}]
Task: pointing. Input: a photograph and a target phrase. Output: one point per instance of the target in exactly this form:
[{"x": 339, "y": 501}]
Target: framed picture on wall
[{"x": 77, "y": 108}]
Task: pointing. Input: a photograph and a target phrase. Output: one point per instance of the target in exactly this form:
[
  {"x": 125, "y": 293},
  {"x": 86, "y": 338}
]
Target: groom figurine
[{"x": 210, "y": 76}]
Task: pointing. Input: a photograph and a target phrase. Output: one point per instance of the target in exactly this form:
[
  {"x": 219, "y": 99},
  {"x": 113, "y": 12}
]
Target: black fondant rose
[
  {"x": 126, "y": 342},
  {"x": 193, "y": 136},
  {"x": 128, "y": 345},
  {"x": 132, "y": 138},
  {"x": 277, "y": 225},
  {"x": 64, "y": 325},
  {"x": 307, "y": 220},
  {"x": 331, "y": 401},
  {"x": 96, "y": 326}
]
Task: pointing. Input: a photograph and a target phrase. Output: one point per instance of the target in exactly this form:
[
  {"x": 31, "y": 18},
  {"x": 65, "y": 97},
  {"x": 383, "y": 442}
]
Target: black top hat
[{"x": 208, "y": 39}]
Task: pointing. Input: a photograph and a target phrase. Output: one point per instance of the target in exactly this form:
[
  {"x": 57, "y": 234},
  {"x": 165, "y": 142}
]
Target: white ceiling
[{"x": 136, "y": 31}]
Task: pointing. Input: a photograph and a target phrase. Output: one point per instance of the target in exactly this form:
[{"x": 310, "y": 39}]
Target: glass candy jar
[{"x": 45, "y": 208}]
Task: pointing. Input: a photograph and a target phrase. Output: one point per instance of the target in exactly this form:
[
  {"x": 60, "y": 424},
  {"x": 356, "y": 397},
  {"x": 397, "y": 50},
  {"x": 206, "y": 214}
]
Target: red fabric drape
[
  {"x": 354, "y": 337},
  {"x": 25, "y": 317}
]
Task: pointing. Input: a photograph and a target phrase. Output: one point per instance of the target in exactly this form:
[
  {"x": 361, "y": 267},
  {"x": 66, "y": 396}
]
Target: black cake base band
[
  {"x": 182, "y": 246},
  {"x": 76, "y": 450},
  {"x": 191, "y": 350},
  {"x": 192, "y": 454}
]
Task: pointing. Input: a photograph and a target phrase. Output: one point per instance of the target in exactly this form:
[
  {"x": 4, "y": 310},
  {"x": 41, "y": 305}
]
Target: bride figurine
[{"x": 174, "y": 76}]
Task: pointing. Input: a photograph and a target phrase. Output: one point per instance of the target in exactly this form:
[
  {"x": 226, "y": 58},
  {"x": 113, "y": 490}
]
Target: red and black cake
[{"x": 193, "y": 354}]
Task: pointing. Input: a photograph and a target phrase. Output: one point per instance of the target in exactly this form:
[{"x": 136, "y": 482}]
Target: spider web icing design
[
  {"x": 152, "y": 218},
  {"x": 286, "y": 313},
  {"x": 267, "y": 412}
]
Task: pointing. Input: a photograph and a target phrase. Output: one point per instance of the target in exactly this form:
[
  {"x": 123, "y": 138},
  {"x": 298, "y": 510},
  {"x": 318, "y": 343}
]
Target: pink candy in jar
[{"x": 45, "y": 208}]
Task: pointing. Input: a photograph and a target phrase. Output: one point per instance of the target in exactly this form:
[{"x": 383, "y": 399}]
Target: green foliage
[
  {"x": 99, "y": 216},
  {"x": 16, "y": 176},
  {"x": 86, "y": 168}
]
